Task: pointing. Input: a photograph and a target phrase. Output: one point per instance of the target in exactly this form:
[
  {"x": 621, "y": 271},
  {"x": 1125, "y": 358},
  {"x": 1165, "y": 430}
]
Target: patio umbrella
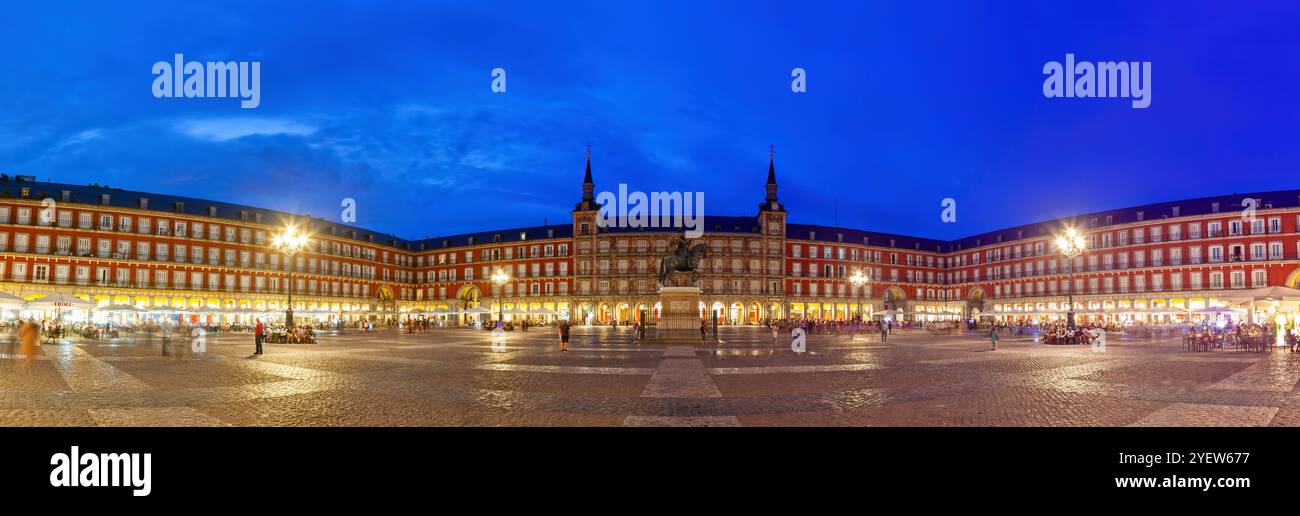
[
  {"x": 1216, "y": 310},
  {"x": 58, "y": 302},
  {"x": 1263, "y": 294},
  {"x": 119, "y": 308},
  {"x": 8, "y": 300}
]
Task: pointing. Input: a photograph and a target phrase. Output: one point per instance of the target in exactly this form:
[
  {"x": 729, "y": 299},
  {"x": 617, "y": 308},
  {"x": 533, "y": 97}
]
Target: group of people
[
  {"x": 1247, "y": 336},
  {"x": 1062, "y": 333}
]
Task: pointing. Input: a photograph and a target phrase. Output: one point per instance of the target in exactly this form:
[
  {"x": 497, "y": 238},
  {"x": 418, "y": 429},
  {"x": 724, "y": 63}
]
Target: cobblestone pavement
[{"x": 458, "y": 377}]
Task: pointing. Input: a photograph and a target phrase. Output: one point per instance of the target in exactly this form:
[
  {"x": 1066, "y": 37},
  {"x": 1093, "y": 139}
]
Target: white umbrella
[
  {"x": 1216, "y": 310},
  {"x": 119, "y": 308},
  {"x": 1263, "y": 294},
  {"x": 58, "y": 301},
  {"x": 8, "y": 300},
  {"x": 477, "y": 310}
]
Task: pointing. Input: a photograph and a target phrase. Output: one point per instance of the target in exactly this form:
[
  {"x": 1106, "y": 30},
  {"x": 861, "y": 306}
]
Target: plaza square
[{"x": 459, "y": 377}]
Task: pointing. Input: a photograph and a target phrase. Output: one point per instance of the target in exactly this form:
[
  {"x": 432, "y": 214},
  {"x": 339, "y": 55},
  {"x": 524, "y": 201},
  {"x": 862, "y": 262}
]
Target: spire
[
  {"x": 770, "y": 202},
  {"x": 771, "y": 164},
  {"x": 587, "y": 178},
  {"x": 588, "y": 187}
]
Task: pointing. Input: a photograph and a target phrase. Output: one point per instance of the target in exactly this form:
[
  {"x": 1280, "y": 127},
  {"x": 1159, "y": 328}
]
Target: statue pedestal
[{"x": 679, "y": 315}]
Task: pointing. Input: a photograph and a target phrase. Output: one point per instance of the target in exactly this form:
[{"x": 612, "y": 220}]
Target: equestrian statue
[{"x": 682, "y": 257}]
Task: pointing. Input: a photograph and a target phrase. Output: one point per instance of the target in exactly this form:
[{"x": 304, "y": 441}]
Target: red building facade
[{"x": 188, "y": 255}]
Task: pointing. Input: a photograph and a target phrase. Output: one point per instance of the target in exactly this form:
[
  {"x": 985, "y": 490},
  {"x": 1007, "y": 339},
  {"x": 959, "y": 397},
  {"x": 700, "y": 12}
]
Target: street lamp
[
  {"x": 1071, "y": 245},
  {"x": 858, "y": 279},
  {"x": 289, "y": 243},
  {"x": 500, "y": 278}
]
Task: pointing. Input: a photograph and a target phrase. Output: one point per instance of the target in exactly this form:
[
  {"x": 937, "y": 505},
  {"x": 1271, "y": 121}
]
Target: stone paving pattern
[{"x": 457, "y": 377}]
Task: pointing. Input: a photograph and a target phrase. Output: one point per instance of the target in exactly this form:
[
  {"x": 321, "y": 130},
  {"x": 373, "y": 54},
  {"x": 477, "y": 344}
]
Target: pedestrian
[
  {"x": 704, "y": 335},
  {"x": 29, "y": 336},
  {"x": 636, "y": 332},
  {"x": 884, "y": 331},
  {"x": 259, "y": 335},
  {"x": 564, "y": 335},
  {"x": 993, "y": 335}
]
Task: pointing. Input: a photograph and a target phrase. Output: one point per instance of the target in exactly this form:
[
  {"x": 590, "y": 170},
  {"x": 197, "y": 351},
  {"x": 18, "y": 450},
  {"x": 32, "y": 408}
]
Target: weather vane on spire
[
  {"x": 588, "y": 150},
  {"x": 771, "y": 150}
]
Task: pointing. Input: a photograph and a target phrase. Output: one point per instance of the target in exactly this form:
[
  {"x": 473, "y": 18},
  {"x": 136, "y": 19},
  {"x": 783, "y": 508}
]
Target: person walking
[
  {"x": 704, "y": 334},
  {"x": 258, "y": 334},
  {"x": 884, "y": 331},
  {"x": 564, "y": 335},
  {"x": 29, "y": 336},
  {"x": 993, "y": 335}
]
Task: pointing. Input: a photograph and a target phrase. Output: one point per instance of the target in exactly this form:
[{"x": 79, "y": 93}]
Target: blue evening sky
[{"x": 908, "y": 103}]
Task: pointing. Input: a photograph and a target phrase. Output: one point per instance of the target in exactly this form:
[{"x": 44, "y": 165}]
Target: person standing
[
  {"x": 258, "y": 335},
  {"x": 564, "y": 335},
  {"x": 993, "y": 335},
  {"x": 704, "y": 334},
  {"x": 884, "y": 331}
]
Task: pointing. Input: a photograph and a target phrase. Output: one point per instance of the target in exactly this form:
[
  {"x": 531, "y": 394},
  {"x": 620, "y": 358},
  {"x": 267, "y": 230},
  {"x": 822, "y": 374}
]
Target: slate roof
[{"x": 91, "y": 194}]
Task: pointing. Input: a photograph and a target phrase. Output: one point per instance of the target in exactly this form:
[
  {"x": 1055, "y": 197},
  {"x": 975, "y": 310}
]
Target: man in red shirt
[{"x": 258, "y": 335}]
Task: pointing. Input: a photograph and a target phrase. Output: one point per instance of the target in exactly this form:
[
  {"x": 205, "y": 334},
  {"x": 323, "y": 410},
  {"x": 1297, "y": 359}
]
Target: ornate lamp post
[
  {"x": 1071, "y": 245},
  {"x": 289, "y": 243},
  {"x": 858, "y": 279},
  {"x": 500, "y": 278}
]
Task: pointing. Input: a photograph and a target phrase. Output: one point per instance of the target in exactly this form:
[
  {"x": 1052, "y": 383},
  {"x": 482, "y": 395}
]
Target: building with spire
[{"x": 204, "y": 261}]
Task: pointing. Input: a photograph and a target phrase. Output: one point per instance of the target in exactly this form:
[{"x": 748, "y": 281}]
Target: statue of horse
[{"x": 683, "y": 259}]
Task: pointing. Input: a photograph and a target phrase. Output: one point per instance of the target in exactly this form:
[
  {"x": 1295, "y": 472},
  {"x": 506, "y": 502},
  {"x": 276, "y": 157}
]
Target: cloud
[
  {"x": 225, "y": 129},
  {"x": 81, "y": 137}
]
